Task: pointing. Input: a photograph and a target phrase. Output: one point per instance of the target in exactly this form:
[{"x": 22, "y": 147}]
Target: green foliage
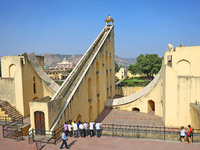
[
  {"x": 116, "y": 79},
  {"x": 59, "y": 82},
  {"x": 69, "y": 71},
  {"x": 149, "y": 64},
  {"x": 137, "y": 81},
  {"x": 116, "y": 67}
]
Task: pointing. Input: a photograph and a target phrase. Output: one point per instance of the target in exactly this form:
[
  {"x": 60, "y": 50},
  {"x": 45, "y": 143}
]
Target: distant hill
[
  {"x": 53, "y": 59},
  {"x": 124, "y": 61}
]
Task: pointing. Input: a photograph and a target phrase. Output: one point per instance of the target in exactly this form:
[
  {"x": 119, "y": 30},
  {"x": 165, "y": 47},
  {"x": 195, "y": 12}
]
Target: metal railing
[
  {"x": 12, "y": 131},
  {"x": 12, "y": 127},
  {"x": 45, "y": 136},
  {"x": 11, "y": 120},
  {"x": 148, "y": 132}
]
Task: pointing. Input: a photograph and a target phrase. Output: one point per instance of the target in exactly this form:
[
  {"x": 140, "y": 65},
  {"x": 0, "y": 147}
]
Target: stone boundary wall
[
  {"x": 126, "y": 91},
  {"x": 167, "y": 136},
  {"x": 7, "y": 90}
]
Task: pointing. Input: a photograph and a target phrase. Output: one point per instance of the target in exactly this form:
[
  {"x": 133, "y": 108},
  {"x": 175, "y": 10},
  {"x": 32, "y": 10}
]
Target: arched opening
[
  {"x": 90, "y": 89},
  {"x": 34, "y": 88},
  {"x": 34, "y": 85},
  {"x": 98, "y": 107},
  {"x": 107, "y": 85},
  {"x": 103, "y": 58},
  {"x": 106, "y": 62},
  {"x": 79, "y": 118},
  {"x": 97, "y": 66},
  {"x": 110, "y": 84},
  {"x": 183, "y": 68},
  {"x": 110, "y": 60},
  {"x": 151, "y": 106},
  {"x": 90, "y": 113},
  {"x": 97, "y": 85},
  {"x": 136, "y": 109},
  {"x": 12, "y": 69},
  {"x": 39, "y": 122}
]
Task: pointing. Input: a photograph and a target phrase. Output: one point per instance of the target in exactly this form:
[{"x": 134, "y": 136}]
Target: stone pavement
[
  {"x": 109, "y": 116},
  {"x": 103, "y": 143},
  {"x": 114, "y": 116}
]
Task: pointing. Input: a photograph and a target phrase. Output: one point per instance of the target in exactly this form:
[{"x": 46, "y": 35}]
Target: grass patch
[
  {"x": 59, "y": 82},
  {"x": 137, "y": 81}
]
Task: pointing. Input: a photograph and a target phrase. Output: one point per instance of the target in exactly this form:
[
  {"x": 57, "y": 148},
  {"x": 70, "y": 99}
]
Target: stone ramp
[
  {"x": 120, "y": 117},
  {"x": 41, "y": 73},
  {"x": 131, "y": 98}
]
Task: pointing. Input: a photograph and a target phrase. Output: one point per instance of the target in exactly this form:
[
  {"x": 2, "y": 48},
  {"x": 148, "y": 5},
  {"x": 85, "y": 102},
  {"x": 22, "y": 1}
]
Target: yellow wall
[
  {"x": 177, "y": 87},
  {"x": 23, "y": 76},
  {"x": 79, "y": 105},
  {"x": 7, "y": 93},
  {"x": 126, "y": 91}
]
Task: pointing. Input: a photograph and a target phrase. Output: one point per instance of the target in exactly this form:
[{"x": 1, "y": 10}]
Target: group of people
[
  {"x": 189, "y": 134},
  {"x": 80, "y": 129}
]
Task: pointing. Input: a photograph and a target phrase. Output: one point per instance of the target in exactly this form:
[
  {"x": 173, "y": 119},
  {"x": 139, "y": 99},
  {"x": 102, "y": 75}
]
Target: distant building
[
  {"x": 64, "y": 65},
  {"x": 61, "y": 71}
]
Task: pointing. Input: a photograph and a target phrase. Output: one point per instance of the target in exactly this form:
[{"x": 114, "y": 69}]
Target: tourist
[
  {"x": 79, "y": 122},
  {"x": 81, "y": 128},
  {"x": 91, "y": 128},
  {"x": 98, "y": 129},
  {"x": 69, "y": 128},
  {"x": 182, "y": 134},
  {"x": 85, "y": 125},
  {"x": 64, "y": 140},
  {"x": 189, "y": 134},
  {"x": 75, "y": 127},
  {"x": 65, "y": 128}
]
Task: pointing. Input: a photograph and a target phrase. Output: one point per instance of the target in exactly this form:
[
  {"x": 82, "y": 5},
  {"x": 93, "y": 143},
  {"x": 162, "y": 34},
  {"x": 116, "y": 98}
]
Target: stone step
[{"x": 10, "y": 110}]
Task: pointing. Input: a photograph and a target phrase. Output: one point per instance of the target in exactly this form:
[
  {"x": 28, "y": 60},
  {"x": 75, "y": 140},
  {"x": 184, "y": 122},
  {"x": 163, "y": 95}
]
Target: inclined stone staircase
[
  {"x": 10, "y": 111},
  {"x": 72, "y": 82},
  {"x": 73, "y": 79}
]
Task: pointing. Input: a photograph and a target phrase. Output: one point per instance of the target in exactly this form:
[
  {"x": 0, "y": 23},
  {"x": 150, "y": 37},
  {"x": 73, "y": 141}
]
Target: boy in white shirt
[
  {"x": 69, "y": 126},
  {"x": 91, "y": 128},
  {"x": 75, "y": 129},
  {"x": 85, "y": 128},
  {"x": 98, "y": 129},
  {"x": 81, "y": 127}
]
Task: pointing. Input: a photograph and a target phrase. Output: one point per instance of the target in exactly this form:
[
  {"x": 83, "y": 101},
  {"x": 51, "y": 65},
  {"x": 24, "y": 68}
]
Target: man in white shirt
[
  {"x": 91, "y": 128},
  {"x": 85, "y": 128},
  {"x": 81, "y": 127},
  {"x": 75, "y": 129},
  {"x": 69, "y": 126},
  {"x": 98, "y": 129}
]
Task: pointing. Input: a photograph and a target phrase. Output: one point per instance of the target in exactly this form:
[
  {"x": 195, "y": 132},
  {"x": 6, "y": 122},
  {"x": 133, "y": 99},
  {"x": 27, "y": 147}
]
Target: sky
[{"x": 70, "y": 27}]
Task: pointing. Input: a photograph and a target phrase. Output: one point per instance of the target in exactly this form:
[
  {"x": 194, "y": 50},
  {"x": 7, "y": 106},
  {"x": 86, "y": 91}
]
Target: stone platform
[{"x": 119, "y": 117}]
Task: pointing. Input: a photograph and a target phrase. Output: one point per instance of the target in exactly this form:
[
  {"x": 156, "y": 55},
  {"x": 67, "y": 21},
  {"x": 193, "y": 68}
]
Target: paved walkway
[
  {"x": 109, "y": 116},
  {"x": 103, "y": 143}
]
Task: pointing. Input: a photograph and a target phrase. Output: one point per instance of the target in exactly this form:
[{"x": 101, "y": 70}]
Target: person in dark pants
[
  {"x": 98, "y": 129},
  {"x": 64, "y": 140},
  {"x": 91, "y": 128}
]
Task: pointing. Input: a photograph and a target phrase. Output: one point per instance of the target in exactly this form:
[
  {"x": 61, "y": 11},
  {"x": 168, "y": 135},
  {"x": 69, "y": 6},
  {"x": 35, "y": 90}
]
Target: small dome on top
[{"x": 109, "y": 18}]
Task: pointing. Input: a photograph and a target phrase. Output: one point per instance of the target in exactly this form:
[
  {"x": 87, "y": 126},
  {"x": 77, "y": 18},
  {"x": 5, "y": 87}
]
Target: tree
[
  {"x": 116, "y": 67},
  {"x": 149, "y": 64}
]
